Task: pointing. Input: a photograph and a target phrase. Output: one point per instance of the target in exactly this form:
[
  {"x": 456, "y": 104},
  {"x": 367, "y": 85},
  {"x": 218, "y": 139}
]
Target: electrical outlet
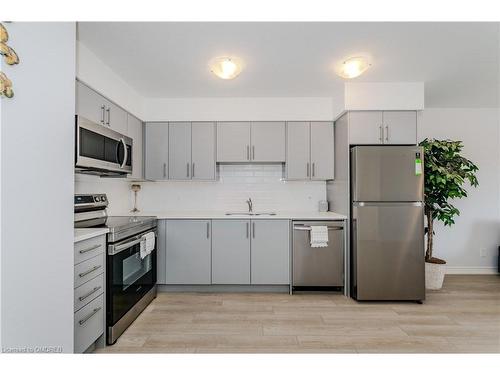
[{"x": 482, "y": 252}]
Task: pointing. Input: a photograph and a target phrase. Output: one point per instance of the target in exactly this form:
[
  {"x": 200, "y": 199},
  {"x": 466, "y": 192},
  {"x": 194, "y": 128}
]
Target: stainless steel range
[{"x": 130, "y": 277}]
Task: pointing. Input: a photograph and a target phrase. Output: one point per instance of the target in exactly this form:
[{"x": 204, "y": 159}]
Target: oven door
[{"x": 129, "y": 277}]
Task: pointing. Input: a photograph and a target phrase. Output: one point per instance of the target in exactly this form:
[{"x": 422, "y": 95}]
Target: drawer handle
[
  {"x": 83, "y": 274},
  {"x": 83, "y": 251},
  {"x": 84, "y": 320},
  {"x": 82, "y": 298}
]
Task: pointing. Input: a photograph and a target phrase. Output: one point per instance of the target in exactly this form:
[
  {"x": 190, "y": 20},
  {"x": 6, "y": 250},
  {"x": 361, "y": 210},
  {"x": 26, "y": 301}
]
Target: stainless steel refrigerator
[{"x": 387, "y": 223}]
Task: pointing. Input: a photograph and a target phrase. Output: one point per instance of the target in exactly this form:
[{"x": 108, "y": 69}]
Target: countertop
[
  {"x": 86, "y": 233},
  {"x": 289, "y": 215}
]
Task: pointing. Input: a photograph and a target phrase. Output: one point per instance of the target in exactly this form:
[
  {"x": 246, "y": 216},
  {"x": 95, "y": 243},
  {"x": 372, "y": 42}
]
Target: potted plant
[{"x": 446, "y": 171}]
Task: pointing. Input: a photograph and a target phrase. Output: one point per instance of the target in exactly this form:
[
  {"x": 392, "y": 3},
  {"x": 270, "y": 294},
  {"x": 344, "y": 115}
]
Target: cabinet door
[
  {"x": 233, "y": 141},
  {"x": 322, "y": 152},
  {"x": 179, "y": 150},
  {"x": 268, "y": 141},
  {"x": 298, "y": 150},
  {"x": 90, "y": 104},
  {"x": 270, "y": 252},
  {"x": 231, "y": 252},
  {"x": 365, "y": 128},
  {"x": 400, "y": 127},
  {"x": 134, "y": 131},
  {"x": 203, "y": 151},
  {"x": 156, "y": 151},
  {"x": 116, "y": 118},
  {"x": 161, "y": 253},
  {"x": 188, "y": 252}
]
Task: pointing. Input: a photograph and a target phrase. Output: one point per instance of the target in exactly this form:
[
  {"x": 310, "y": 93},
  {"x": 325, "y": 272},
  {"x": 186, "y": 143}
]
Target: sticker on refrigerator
[{"x": 418, "y": 164}]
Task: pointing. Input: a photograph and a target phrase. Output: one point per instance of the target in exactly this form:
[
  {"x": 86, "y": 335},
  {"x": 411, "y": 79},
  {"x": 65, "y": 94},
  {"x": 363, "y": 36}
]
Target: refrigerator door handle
[{"x": 367, "y": 204}]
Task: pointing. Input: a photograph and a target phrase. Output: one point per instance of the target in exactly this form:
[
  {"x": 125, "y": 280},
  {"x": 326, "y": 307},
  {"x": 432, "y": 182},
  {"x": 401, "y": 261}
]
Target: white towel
[
  {"x": 147, "y": 244},
  {"x": 319, "y": 236}
]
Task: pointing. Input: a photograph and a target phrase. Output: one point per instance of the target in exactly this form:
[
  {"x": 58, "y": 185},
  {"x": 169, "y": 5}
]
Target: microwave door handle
[{"x": 125, "y": 153}]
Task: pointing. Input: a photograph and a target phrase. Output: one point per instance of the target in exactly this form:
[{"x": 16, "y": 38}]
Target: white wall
[
  {"x": 384, "y": 95},
  {"x": 96, "y": 74},
  {"x": 37, "y": 187},
  {"x": 478, "y": 226}
]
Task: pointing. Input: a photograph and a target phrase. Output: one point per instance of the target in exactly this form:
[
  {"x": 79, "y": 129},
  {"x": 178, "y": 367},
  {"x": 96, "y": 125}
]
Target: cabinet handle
[
  {"x": 253, "y": 229},
  {"x": 387, "y": 133},
  {"x": 95, "y": 268},
  {"x": 109, "y": 116},
  {"x": 314, "y": 169},
  {"x": 247, "y": 229},
  {"x": 187, "y": 170},
  {"x": 208, "y": 229},
  {"x": 307, "y": 170},
  {"x": 164, "y": 170},
  {"x": 83, "y": 251},
  {"x": 192, "y": 170},
  {"x": 103, "y": 108},
  {"x": 82, "y": 298},
  {"x": 381, "y": 133},
  {"x": 248, "y": 152},
  {"x": 253, "y": 152},
  {"x": 84, "y": 320}
]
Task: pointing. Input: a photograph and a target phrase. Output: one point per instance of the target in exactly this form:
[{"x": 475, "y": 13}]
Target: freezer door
[
  {"x": 388, "y": 251},
  {"x": 387, "y": 173}
]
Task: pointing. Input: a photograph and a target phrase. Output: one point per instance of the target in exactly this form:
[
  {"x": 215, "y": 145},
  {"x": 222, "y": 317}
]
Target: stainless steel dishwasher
[{"x": 318, "y": 266}]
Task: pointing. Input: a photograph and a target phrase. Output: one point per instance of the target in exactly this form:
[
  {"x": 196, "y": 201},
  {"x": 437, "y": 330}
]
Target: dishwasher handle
[{"x": 308, "y": 228}]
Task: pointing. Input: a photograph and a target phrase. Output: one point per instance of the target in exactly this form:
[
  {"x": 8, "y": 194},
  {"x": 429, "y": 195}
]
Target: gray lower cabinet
[
  {"x": 156, "y": 155},
  {"x": 161, "y": 252},
  {"x": 231, "y": 251},
  {"x": 188, "y": 255},
  {"x": 270, "y": 249}
]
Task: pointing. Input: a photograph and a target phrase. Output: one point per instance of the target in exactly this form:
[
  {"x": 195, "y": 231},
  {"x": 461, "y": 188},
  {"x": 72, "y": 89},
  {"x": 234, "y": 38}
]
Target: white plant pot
[{"x": 434, "y": 275}]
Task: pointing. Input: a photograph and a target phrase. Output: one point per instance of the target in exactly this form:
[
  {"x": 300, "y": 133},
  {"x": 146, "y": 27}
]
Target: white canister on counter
[{"x": 323, "y": 206}]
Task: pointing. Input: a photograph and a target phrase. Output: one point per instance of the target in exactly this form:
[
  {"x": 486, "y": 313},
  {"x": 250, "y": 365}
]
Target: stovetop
[{"x": 121, "y": 222}]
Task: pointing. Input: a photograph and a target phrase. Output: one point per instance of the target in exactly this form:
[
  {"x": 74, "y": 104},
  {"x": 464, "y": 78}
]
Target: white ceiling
[{"x": 457, "y": 61}]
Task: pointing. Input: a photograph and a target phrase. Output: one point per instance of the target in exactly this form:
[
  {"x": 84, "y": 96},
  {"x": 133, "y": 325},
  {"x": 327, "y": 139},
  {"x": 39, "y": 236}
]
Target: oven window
[
  {"x": 91, "y": 144},
  {"x": 134, "y": 268}
]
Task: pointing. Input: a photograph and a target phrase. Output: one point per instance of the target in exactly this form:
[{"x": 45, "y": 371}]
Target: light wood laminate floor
[{"x": 462, "y": 317}]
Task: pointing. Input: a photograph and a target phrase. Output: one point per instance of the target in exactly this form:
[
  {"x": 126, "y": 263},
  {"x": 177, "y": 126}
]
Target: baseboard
[
  {"x": 452, "y": 270},
  {"x": 225, "y": 288}
]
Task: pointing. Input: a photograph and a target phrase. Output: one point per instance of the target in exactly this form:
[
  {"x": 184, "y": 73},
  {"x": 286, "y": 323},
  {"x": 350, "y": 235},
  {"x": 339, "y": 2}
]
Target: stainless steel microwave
[{"x": 101, "y": 151}]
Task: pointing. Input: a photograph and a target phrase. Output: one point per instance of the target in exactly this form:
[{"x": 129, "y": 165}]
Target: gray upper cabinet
[
  {"x": 156, "y": 155},
  {"x": 366, "y": 127},
  {"x": 270, "y": 252},
  {"x": 203, "y": 151},
  {"x": 134, "y": 131},
  {"x": 322, "y": 151},
  {"x": 233, "y": 141},
  {"x": 98, "y": 109},
  {"x": 179, "y": 150},
  {"x": 188, "y": 255},
  {"x": 298, "y": 150},
  {"x": 231, "y": 251},
  {"x": 400, "y": 127},
  {"x": 382, "y": 127},
  {"x": 268, "y": 141}
]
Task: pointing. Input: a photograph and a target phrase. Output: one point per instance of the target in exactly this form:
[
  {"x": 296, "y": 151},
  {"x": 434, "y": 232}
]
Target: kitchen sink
[{"x": 251, "y": 213}]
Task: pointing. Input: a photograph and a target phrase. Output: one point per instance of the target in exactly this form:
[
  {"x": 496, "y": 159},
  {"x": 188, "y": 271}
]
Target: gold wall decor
[{"x": 11, "y": 58}]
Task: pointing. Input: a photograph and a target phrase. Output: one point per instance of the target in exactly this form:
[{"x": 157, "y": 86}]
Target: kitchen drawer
[
  {"x": 89, "y": 324},
  {"x": 89, "y": 291},
  {"x": 89, "y": 248},
  {"x": 88, "y": 269}
]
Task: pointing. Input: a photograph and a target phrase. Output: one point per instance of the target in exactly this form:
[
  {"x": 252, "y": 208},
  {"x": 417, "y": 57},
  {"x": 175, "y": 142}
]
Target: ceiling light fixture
[
  {"x": 226, "y": 67},
  {"x": 353, "y": 67}
]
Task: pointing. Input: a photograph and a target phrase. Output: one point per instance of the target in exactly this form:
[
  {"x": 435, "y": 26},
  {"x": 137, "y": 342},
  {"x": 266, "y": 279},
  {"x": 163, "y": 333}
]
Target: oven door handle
[{"x": 115, "y": 249}]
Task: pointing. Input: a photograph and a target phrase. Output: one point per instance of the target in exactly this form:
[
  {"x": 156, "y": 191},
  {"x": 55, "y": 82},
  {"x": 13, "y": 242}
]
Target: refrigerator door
[
  {"x": 387, "y": 173},
  {"x": 388, "y": 251}
]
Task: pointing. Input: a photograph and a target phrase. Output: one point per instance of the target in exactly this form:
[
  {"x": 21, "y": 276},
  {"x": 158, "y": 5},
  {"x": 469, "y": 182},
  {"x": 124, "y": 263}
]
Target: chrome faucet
[{"x": 250, "y": 205}]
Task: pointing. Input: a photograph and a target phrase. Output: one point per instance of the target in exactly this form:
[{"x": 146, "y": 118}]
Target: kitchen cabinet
[
  {"x": 270, "y": 252},
  {"x": 233, "y": 141},
  {"x": 188, "y": 252},
  {"x": 382, "y": 127},
  {"x": 310, "y": 150},
  {"x": 134, "y": 131},
  {"x": 231, "y": 251},
  {"x": 179, "y": 150},
  {"x": 267, "y": 141},
  {"x": 96, "y": 108},
  {"x": 161, "y": 254},
  {"x": 251, "y": 141},
  {"x": 203, "y": 151},
  {"x": 156, "y": 155}
]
